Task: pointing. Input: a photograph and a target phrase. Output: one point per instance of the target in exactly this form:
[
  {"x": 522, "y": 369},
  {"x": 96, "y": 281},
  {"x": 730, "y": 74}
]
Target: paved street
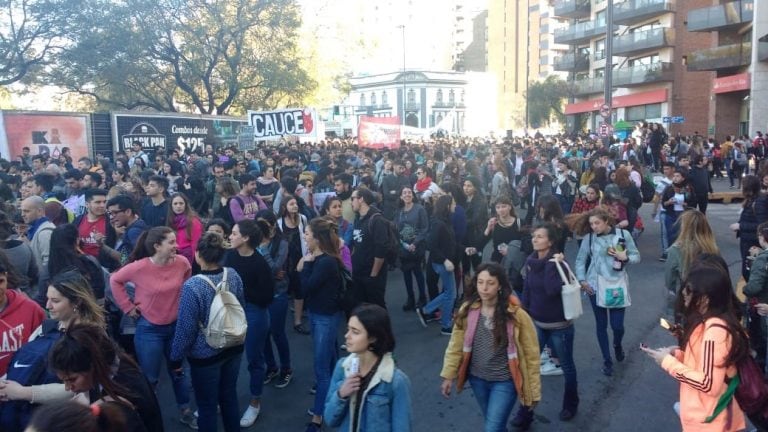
[{"x": 638, "y": 397}]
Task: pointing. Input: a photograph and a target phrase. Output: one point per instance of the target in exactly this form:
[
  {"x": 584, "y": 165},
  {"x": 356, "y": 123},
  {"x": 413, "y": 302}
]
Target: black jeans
[{"x": 371, "y": 290}]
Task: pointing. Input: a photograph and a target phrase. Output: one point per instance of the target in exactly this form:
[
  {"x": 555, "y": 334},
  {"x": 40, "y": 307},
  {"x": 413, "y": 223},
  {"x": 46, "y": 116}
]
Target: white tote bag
[{"x": 571, "y": 293}]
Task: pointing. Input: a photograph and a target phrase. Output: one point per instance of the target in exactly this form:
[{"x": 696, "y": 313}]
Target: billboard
[
  {"x": 379, "y": 132},
  {"x": 44, "y": 132},
  {"x": 185, "y": 132},
  {"x": 299, "y": 123}
]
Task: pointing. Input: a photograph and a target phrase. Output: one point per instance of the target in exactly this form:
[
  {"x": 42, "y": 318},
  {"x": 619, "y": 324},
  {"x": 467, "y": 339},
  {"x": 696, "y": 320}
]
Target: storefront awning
[
  {"x": 635, "y": 99},
  {"x": 732, "y": 83}
]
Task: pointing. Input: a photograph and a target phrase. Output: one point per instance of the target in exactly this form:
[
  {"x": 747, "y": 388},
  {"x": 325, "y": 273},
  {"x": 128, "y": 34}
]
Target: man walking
[{"x": 369, "y": 242}]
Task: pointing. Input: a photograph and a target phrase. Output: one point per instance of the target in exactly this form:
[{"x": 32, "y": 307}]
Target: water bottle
[{"x": 618, "y": 265}]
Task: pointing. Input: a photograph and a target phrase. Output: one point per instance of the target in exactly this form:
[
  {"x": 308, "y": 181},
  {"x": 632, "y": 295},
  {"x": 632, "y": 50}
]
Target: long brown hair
[
  {"x": 145, "y": 245},
  {"x": 695, "y": 238},
  {"x": 325, "y": 230},
  {"x": 501, "y": 314},
  {"x": 189, "y": 213},
  {"x": 75, "y": 288}
]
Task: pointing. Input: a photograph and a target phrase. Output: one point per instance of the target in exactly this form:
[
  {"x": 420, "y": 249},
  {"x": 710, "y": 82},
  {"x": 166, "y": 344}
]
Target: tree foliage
[
  {"x": 545, "y": 100},
  {"x": 31, "y": 31},
  {"x": 207, "y": 56}
]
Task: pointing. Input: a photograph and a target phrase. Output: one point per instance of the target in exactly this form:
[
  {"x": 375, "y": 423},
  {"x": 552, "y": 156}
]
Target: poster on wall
[
  {"x": 186, "y": 133},
  {"x": 44, "y": 133},
  {"x": 293, "y": 123},
  {"x": 379, "y": 132}
]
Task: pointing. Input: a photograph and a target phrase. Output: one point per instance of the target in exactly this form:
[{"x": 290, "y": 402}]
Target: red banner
[
  {"x": 379, "y": 132},
  {"x": 46, "y": 133}
]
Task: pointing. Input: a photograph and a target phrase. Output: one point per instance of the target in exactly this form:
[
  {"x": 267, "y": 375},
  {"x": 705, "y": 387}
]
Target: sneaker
[
  {"x": 544, "y": 357},
  {"x": 523, "y": 418},
  {"x": 607, "y": 370},
  {"x": 271, "y": 374},
  {"x": 189, "y": 418},
  {"x": 422, "y": 316},
  {"x": 663, "y": 258},
  {"x": 313, "y": 390},
  {"x": 313, "y": 427},
  {"x": 249, "y": 416},
  {"x": 551, "y": 369},
  {"x": 284, "y": 380},
  {"x": 435, "y": 316},
  {"x": 446, "y": 331},
  {"x": 619, "y": 351}
]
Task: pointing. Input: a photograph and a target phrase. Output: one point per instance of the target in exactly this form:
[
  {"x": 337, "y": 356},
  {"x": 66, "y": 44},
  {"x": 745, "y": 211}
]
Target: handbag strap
[{"x": 566, "y": 278}]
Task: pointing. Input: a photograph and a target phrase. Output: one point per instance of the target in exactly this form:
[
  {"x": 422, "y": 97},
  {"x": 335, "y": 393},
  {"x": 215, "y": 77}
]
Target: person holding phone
[{"x": 368, "y": 392}]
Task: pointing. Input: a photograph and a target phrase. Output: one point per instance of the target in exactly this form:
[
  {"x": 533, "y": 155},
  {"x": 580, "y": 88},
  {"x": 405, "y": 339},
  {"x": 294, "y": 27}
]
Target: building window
[
  {"x": 440, "y": 96},
  {"x": 373, "y": 98},
  {"x": 362, "y": 99},
  {"x": 411, "y": 96},
  {"x": 647, "y": 60},
  {"x": 600, "y": 49},
  {"x": 599, "y": 72},
  {"x": 451, "y": 96},
  {"x": 384, "y": 101},
  {"x": 643, "y": 112}
]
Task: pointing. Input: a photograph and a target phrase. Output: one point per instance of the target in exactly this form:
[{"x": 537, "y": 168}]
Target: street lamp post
[{"x": 402, "y": 28}]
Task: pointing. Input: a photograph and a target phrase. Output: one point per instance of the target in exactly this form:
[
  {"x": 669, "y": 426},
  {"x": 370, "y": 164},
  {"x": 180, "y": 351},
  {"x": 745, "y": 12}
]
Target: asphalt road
[{"x": 638, "y": 397}]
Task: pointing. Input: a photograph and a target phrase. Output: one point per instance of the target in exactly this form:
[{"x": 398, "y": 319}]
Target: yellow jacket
[{"x": 526, "y": 341}]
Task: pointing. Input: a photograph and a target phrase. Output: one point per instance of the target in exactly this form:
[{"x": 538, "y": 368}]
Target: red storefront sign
[
  {"x": 732, "y": 83},
  {"x": 635, "y": 99}
]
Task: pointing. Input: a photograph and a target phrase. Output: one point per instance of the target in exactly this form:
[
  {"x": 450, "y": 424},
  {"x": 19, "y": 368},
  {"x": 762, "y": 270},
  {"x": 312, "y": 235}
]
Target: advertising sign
[
  {"x": 174, "y": 131},
  {"x": 295, "y": 122},
  {"x": 379, "y": 132},
  {"x": 45, "y": 133}
]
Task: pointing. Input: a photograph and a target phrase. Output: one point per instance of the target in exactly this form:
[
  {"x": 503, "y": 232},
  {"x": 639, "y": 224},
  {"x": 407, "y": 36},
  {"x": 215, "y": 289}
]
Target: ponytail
[{"x": 71, "y": 416}]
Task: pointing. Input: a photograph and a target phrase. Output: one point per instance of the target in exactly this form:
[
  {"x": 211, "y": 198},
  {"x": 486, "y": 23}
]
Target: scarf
[
  {"x": 180, "y": 221},
  {"x": 423, "y": 184}
]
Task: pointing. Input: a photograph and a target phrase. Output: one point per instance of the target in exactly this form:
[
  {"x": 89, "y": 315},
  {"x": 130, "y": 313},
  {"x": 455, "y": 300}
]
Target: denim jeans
[
  {"x": 561, "y": 342},
  {"x": 444, "y": 301},
  {"x": 671, "y": 227},
  {"x": 153, "y": 342},
  {"x": 216, "y": 384},
  {"x": 602, "y": 316},
  {"x": 255, "y": 340},
  {"x": 418, "y": 273},
  {"x": 496, "y": 399},
  {"x": 566, "y": 203},
  {"x": 278, "y": 310},
  {"x": 325, "y": 328},
  {"x": 663, "y": 232}
]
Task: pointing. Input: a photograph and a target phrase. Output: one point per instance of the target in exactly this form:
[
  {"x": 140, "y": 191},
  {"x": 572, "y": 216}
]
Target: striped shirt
[{"x": 488, "y": 362}]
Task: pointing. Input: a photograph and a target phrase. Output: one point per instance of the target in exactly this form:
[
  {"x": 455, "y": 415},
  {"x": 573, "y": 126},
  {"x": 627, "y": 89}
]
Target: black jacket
[
  {"x": 698, "y": 178},
  {"x": 441, "y": 242}
]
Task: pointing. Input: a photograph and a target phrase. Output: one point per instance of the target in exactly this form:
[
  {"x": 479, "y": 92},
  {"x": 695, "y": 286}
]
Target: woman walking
[
  {"x": 157, "y": 274},
  {"x": 493, "y": 346},
  {"x": 320, "y": 274},
  {"x": 413, "y": 226},
  {"x": 292, "y": 225},
  {"x": 607, "y": 249}
]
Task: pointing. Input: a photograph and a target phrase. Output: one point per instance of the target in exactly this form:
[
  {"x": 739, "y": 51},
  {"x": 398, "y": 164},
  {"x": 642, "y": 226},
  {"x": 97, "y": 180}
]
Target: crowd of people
[{"x": 112, "y": 269}]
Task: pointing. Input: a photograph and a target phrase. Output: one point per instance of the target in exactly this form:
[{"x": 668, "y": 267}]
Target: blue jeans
[
  {"x": 278, "y": 310},
  {"x": 496, "y": 399},
  {"x": 444, "y": 301},
  {"x": 153, "y": 342},
  {"x": 602, "y": 316},
  {"x": 671, "y": 227},
  {"x": 663, "y": 232},
  {"x": 561, "y": 343},
  {"x": 255, "y": 340},
  {"x": 325, "y": 328},
  {"x": 216, "y": 384}
]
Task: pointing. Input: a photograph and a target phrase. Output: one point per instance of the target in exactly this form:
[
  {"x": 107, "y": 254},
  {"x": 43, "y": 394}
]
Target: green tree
[
  {"x": 31, "y": 31},
  {"x": 545, "y": 100},
  {"x": 207, "y": 56}
]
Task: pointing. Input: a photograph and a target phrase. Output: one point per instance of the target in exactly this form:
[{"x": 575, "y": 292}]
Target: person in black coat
[{"x": 700, "y": 181}]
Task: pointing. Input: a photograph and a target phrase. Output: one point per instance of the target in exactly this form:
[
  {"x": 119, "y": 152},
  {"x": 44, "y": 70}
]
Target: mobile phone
[{"x": 664, "y": 323}]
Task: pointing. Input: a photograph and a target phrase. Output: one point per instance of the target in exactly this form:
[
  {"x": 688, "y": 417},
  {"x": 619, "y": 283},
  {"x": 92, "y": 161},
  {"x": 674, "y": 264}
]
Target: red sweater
[
  {"x": 17, "y": 321},
  {"x": 157, "y": 288}
]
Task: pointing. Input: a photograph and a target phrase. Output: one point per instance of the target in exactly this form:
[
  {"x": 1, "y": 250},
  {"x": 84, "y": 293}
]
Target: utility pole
[
  {"x": 606, "y": 111},
  {"x": 402, "y": 28}
]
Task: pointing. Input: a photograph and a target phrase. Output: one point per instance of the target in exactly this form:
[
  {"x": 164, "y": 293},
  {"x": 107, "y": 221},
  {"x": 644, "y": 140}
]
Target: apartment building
[{"x": 650, "y": 80}]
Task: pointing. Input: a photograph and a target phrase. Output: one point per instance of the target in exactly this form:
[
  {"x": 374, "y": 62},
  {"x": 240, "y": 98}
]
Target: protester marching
[{"x": 115, "y": 272}]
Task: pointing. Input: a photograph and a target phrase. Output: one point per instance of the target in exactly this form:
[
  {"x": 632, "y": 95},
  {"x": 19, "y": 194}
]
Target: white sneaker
[
  {"x": 250, "y": 416},
  {"x": 551, "y": 369},
  {"x": 544, "y": 357}
]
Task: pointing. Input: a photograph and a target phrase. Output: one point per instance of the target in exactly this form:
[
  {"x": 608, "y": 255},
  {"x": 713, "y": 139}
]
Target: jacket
[
  {"x": 601, "y": 262},
  {"x": 20, "y": 318},
  {"x": 441, "y": 242},
  {"x": 387, "y": 399},
  {"x": 673, "y": 269},
  {"x": 757, "y": 286},
  {"x": 542, "y": 291},
  {"x": 527, "y": 366}
]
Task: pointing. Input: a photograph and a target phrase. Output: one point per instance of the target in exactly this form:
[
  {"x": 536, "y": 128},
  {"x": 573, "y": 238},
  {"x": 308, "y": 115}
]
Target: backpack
[
  {"x": 29, "y": 366},
  {"x": 647, "y": 189},
  {"x": 226, "y": 319},
  {"x": 393, "y": 238}
]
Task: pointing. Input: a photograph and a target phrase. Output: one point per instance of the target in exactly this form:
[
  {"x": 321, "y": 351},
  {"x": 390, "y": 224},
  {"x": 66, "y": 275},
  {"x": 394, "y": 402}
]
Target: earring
[{"x": 74, "y": 309}]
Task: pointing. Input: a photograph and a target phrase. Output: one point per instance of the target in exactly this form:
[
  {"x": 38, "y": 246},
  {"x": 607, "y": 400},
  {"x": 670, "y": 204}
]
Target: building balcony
[
  {"x": 588, "y": 86},
  {"x": 720, "y": 58},
  {"x": 633, "y": 11},
  {"x": 572, "y": 8},
  {"x": 412, "y": 106},
  {"x": 762, "y": 51},
  {"x": 732, "y": 14},
  {"x": 572, "y": 62},
  {"x": 637, "y": 42},
  {"x": 579, "y": 33},
  {"x": 643, "y": 74}
]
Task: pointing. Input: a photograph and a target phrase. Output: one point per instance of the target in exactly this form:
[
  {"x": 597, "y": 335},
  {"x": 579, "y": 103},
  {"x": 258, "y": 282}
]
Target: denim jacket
[{"x": 387, "y": 400}]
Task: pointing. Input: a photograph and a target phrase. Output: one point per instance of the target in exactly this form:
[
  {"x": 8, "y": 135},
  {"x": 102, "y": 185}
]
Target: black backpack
[
  {"x": 393, "y": 238},
  {"x": 29, "y": 366}
]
